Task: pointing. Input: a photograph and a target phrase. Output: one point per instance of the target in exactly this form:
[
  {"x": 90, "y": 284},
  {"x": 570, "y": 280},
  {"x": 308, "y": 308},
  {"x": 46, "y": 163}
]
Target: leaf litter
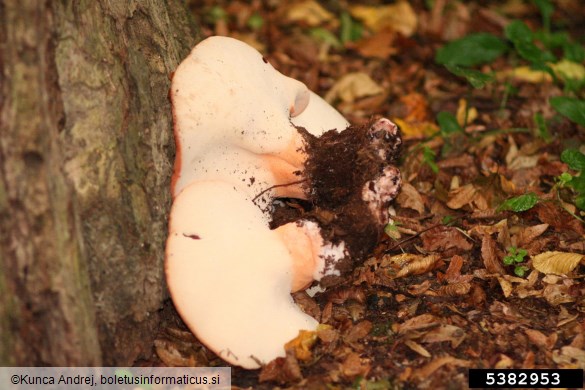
[{"x": 482, "y": 173}]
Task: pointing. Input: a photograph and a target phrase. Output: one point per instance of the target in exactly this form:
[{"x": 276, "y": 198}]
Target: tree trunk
[{"x": 86, "y": 152}]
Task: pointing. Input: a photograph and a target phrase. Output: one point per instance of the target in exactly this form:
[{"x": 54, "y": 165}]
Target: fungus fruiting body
[
  {"x": 246, "y": 134},
  {"x": 231, "y": 283}
]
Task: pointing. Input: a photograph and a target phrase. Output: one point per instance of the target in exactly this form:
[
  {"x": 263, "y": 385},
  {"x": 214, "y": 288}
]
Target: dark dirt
[{"x": 340, "y": 165}]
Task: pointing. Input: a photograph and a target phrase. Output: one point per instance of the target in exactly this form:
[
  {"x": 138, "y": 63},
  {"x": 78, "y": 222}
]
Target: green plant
[
  {"x": 429, "y": 158},
  {"x": 391, "y": 230},
  {"x": 519, "y": 203},
  {"x": 576, "y": 161},
  {"x": 515, "y": 257}
]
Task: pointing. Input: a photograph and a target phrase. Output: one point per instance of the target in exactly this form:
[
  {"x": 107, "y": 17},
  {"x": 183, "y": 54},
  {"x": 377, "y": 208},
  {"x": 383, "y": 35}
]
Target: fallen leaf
[
  {"x": 416, "y": 107},
  {"x": 454, "y": 270},
  {"x": 416, "y": 129},
  {"x": 301, "y": 345},
  {"x": 426, "y": 370},
  {"x": 527, "y": 234},
  {"x": 558, "y": 263},
  {"x": 569, "y": 357},
  {"x": 353, "y": 366},
  {"x": 398, "y": 17},
  {"x": 540, "y": 339},
  {"x": 489, "y": 256},
  {"x": 416, "y": 347},
  {"x": 445, "y": 237},
  {"x": 556, "y": 294},
  {"x": 358, "y": 331},
  {"x": 309, "y": 12},
  {"x": 379, "y": 45},
  {"x": 281, "y": 370},
  {"x": 524, "y": 73},
  {"x": 461, "y": 196},
  {"x": 454, "y": 289},
  {"x": 445, "y": 332},
  {"x": 465, "y": 114},
  {"x": 422, "y": 321},
  {"x": 353, "y": 86},
  {"x": 506, "y": 286},
  {"x": 419, "y": 266},
  {"x": 410, "y": 198},
  {"x": 569, "y": 70}
]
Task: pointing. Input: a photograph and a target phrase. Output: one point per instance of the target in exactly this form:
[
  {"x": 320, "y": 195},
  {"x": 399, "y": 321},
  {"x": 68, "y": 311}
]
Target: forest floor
[{"x": 483, "y": 265}]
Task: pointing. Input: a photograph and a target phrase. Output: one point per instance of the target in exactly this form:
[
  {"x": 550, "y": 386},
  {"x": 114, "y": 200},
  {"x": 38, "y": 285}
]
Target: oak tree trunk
[{"x": 86, "y": 153}]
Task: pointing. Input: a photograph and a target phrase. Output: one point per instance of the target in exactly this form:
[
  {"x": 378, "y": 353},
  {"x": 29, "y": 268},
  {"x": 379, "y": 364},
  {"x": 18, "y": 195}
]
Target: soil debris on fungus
[{"x": 349, "y": 179}]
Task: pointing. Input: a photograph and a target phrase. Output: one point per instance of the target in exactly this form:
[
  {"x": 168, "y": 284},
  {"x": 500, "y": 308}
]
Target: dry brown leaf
[
  {"x": 416, "y": 107},
  {"x": 506, "y": 286},
  {"x": 378, "y": 45},
  {"x": 416, "y": 347},
  {"x": 540, "y": 339},
  {"x": 465, "y": 114},
  {"x": 419, "y": 266},
  {"x": 461, "y": 196},
  {"x": 353, "y": 366},
  {"x": 454, "y": 270},
  {"x": 558, "y": 263},
  {"x": 556, "y": 294},
  {"x": 489, "y": 256},
  {"x": 555, "y": 216},
  {"x": 428, "y": 369},
  {"x": 423, "y": 321},
  {"x": 569, "y": 357},
  {"x": 527, "y": 234},
  {"x": 445, "y": 332},
  {"x": 455, "y": 289},
  {"x": 281, "y": 370},
  {"x": 309, "y": 12},
  {"x": 443, "y": 238},
  {"x": 398, "y": 17},
  {"x": 353, "y": 86},
  {"x": 358, "y": 331},
  {"x": 410, "y": 198},
  {"x": 170, "y": 353}
]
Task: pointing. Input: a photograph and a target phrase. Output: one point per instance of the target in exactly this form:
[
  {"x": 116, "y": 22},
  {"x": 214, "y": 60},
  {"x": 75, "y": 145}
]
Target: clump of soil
[{"x": 350, "y": 179}]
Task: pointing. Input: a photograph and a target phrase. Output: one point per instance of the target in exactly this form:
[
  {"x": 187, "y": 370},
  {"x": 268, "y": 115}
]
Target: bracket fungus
[{"x": 245, "y": 135}]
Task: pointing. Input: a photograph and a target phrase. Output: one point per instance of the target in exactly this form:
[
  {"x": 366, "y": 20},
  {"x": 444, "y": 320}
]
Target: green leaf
[
  {"x": 255, "y": 21},
  {"x": 508, "y": 260},
  {"x": 326, "y": 36},
  {"x": 530, "y": 52},
  {"x": 473, "y": 49},
  {"x": 448, "y": 123},
  {"x": 580, "y": 201},
  {"x": 476, "y": 78},
  {"x": 574, "y": 158},
  {"x": 542, "y": 128},
  {"x": 429, "y": 158},
  {"x": 572, "y": 108},
  {"x": 518, "y": 32},
  {"x": 574, "y": 52},
  {"x": 519, "y": 203},
  {"x": 520, "y": 271},
  {"x": 577, "y": 183},
  {"x": 350, "y": 30},
  {"x": 546, "y": 9},
  {"x": 564, "y": 178}
]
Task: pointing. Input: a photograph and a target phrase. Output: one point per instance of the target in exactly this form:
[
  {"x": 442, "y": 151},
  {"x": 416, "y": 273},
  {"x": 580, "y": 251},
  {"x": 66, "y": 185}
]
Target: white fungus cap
[{"x": 230, "y": 278}]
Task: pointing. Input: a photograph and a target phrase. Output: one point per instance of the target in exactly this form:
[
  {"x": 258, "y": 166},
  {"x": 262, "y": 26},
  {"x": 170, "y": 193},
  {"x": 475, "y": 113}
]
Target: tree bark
[{"x": 86, "y": 153}]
